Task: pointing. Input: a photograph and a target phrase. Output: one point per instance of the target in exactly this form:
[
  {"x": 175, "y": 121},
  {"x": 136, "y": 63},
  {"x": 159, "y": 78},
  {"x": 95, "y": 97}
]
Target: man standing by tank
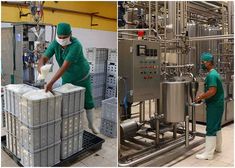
[{"x": 214, "y": 98}]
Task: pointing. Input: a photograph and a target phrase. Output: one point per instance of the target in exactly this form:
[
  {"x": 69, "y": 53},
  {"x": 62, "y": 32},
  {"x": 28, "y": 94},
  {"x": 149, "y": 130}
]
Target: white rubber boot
[
  {"x": 208, "y": 154},
  {"x": 89, "y": 115},
  {"x": 218, "y": 141}
]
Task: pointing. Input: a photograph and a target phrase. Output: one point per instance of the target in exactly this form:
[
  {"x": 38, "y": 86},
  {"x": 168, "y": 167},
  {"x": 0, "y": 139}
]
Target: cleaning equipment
[
  {"x": 44, "y": 71},
  {"x": 208, "y": 154}
]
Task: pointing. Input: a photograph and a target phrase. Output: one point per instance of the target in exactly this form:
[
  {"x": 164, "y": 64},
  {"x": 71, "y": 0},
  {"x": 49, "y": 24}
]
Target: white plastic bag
[
  {"x": 44, "y": 71},
  {"x": 37, "y": 94},
  {"x": 20, "y": 88},
  {"x": 68, "y": 87}
]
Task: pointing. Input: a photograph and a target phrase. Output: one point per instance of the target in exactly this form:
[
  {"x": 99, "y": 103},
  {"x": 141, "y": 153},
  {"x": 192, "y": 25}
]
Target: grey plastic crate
[
  {"x": 98, "y": 79},
  {"x": 72, "y": 124},
  {"x": 112, "y": 55},
  {"x": 98, "y": 67},
  {"x": 98, "y": 91},
  {"x": 37, "y": 112},
  {"x": 35, "y": 138},
  {"x": 109, "y": 109},
  {"x": 45, "y": 157},
  {"x": 12, "y": 98},
  {"x": 98, "y": 101},
  {"x": 97, "y": 55},
  {"x": 12, "y": 124},
  {"x": 71, "y": 145},
  {"x": 108, "y": 128},
  {"x": 72, "y": 101},
  {"x": 110, "y": 92},
  {"x": 112, "y": 68},
  {"x": 12, "y": 143},
  {"x": 111, "y": 80}
]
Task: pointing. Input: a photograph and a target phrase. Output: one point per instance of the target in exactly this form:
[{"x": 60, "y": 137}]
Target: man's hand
[
  {"x": 48, "y": 87},
  {"x": 197, "y": 100},
  {"x": 43, "y": 60}
]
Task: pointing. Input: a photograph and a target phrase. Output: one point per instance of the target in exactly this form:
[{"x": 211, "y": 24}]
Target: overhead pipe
[
  {"x": 25, "y": 4},
  {"x": 150, "y": 18},
  {"x": 213, "y": 37}
]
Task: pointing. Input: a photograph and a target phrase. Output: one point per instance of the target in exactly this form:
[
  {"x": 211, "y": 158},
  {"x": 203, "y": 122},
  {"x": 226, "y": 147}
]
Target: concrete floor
[
  {"x": 187, "y": 159},
  {"x": 106, "y": 157}
]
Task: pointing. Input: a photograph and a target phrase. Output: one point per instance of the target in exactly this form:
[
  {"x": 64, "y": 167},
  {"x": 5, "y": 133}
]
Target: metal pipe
[
  {"x": 230, "y": 17},
  {"x": 150, "y": 109},
  {"x": 133, "y": 29},
  {"x": 143, "y": 114},
  {"x": 187, "y": 131},
  {"x": 128, "y": 34},
  {"x": 157, "y": 131},
  {"x": 140, "y": 111},
  {"x": 156, "y": 16},
  {"x": 193, "y": 120},
  {"x": 150, "y": 16},
  {"x": 181, "y": 16},
  {"x": 154, "y": 154},
  {"x": 165, "y": 34},
  {"x": 213, "y": 37}
]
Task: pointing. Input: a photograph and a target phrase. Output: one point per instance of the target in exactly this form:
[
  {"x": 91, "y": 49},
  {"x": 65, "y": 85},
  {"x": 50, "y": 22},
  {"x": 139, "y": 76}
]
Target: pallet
[{"x": 91, "y": 143}]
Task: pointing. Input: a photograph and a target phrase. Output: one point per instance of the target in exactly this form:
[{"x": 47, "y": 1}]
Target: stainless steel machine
[
  {"x": 28, "y": 44},
  {"x": 157, "y": 116},
  {"x": 139, "y": 67}
]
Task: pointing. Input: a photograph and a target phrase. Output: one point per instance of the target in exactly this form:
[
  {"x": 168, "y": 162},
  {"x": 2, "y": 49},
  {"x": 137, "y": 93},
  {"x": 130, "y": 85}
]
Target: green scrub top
[
  {"x": 213, "y": 79},
  {"x": 78, "y": 71},
  {"x": 215, "y": 104}
]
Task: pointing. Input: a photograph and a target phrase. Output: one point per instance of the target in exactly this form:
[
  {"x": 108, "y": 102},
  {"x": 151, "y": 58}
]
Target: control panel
[{"x": 139, "y": 64}]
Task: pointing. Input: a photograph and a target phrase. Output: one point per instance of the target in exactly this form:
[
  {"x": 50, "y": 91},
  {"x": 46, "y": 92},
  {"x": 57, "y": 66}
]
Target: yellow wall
[{"x": 108, "y": 9}]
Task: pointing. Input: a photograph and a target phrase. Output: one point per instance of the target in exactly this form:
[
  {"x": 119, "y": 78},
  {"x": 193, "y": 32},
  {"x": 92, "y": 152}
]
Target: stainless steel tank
[{"x": 174, "y": 100}]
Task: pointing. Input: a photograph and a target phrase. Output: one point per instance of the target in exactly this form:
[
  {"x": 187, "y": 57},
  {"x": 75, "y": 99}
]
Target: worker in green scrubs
[
  {"x": 214, "y": 98},
  {"x": 74, "y": 68}
]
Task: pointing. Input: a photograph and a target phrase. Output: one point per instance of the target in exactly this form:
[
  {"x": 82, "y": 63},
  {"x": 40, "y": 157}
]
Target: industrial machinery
[
  {"x": 164, "y": 90},
  {"x": 28, "y": 44}
]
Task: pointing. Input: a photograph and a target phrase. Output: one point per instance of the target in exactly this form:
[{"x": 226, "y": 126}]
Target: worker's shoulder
[
  {"x": 214, "y": 73},
  {"x": 76, "y": 42}
]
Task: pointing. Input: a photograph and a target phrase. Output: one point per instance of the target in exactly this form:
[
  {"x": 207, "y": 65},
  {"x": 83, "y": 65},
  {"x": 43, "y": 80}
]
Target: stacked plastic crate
[
  {"x": 34, "y": 125},
  {"x": 97, "y": 58},
  {"x": 111, "y": 78},
  {"x": 72, "y": 119},
  {"x": 109, "y": 117}
]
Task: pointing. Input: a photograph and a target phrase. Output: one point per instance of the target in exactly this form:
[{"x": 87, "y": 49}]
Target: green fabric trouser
[
  {"x": 214, "y": 114},
  {"x": 89, "y": 103}
]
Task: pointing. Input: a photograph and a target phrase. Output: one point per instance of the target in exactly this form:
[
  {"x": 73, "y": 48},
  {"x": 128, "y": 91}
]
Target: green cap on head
[
  {"x": 206, "y": 56},
  {"x": 63, "y": 29}
]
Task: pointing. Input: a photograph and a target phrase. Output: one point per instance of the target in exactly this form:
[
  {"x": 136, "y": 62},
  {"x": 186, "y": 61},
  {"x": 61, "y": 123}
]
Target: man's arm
[
  {"x": 58, "y": 74},
  {"x": 43, "y": 60},
  {"x": 211, "y": 92}
]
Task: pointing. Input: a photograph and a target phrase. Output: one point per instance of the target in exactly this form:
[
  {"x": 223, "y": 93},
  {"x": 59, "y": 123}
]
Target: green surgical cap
[
  {"x": 63, "y": 29},
  {"x": 206, "y": 56}
]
